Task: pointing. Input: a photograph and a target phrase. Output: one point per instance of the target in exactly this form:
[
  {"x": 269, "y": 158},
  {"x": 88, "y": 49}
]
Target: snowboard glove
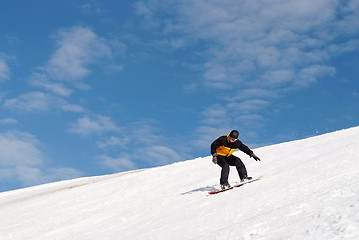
[
  {"x": 214, "y": 160},
  {"x": 255, "y": 157}
]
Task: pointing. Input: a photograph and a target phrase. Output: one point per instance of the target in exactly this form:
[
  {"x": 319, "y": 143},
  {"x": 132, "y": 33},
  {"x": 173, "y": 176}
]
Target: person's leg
[
  {"x": 241, "y": 168},
  {"x": 221, "y": 161}
]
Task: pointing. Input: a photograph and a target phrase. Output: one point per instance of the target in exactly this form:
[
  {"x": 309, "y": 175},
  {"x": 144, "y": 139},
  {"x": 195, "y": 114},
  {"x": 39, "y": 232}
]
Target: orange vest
[{"x": 225, "y": 151}]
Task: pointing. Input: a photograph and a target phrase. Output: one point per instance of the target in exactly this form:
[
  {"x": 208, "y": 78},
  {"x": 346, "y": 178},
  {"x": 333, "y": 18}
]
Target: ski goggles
[{"x": 232, "y": 139}]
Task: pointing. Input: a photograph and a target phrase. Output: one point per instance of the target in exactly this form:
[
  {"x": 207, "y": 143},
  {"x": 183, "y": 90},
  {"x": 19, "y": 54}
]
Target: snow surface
[{"x": 309, "y": 190}]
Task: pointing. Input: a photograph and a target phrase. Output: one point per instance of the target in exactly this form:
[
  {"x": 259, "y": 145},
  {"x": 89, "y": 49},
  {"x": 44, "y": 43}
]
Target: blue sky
[{"x": 96, "y": 87}]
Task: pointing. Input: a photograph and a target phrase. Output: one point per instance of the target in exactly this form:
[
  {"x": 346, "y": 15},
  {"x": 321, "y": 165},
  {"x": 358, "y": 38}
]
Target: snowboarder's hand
[
  {"x": 255, "y": 157},
  {"x": 214, "y": 160}
]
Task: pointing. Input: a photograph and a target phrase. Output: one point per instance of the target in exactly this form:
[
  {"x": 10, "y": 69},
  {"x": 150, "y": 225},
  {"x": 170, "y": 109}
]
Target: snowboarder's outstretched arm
[
  {"x": 255, "y": 157},
  {"x": 246, "y": 149}
]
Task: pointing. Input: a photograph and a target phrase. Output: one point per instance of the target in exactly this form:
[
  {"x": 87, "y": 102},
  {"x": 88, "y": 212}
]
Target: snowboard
[{"x": 238, "y": 185}]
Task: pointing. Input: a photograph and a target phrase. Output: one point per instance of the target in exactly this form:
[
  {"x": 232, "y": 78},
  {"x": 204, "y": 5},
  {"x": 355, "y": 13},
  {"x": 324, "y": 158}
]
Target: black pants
[{"x": 225, "y": 162}]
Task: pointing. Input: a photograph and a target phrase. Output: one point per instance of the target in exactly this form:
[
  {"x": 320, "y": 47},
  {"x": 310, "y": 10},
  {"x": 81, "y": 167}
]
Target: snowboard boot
[
  {"x": 246, "y": 179},
  {"x": 225, "y": 186}
]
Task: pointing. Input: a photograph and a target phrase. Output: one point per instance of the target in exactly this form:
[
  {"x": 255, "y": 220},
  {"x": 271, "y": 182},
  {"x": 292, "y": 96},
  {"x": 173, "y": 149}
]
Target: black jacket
[{"x": 223, "y": 147}]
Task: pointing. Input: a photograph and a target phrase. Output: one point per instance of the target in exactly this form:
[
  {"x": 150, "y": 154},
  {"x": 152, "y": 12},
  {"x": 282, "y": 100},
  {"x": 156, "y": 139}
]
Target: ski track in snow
[{"x": 309, "y": 190}]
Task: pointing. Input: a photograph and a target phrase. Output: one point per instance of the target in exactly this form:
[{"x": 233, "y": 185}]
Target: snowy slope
[{"x": 310, "y": 190}]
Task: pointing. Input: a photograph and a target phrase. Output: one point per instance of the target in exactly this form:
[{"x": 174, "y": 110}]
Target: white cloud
[
  {"x": 72, "y": 108},
  {"x": 215, "y": 115},
  {"x": 4, "y": 70},
  {"x": 257, "y": 43},
  {"x": 78, "y": 47},
  {"x": 20, "y": 158},
  {"x": 22, "y": 161},
  {"x": 247, "y": 106},
  {"x": 225, "y": 114},
  {"x": 147, "y": 14},
  {"x": 61, "y": 173},
  {"x": 348, "y": 46},
  {"x": 42, "y": 80},
  {"x": 205, "y": 135},
  {"x": 113, "y": 142},
  {"x": 115, "y": 68},
  {"x": 310, "y": 74},
  {"x": 145, "y": 132},
  {"x": 78, "y": 51},
  {"x": 29, "y": 175},
  {"x": 254, "y": 52},
  {"x": 19, "y": 149},
  {"x": 8, "y": 121},
  {"x": 249, "y": 120},
  {"x": 95, "y": 125},
  {"x": 250, "y": 92},
  {"x": 121, "y": 163},
  {"x": 140, "y": 142},
  {"x": 349, "y": 23},
  {"x": 92, "y": 8},
  {"x": 41, "y": 102},
  {"x": 276, "y": 78},
  {"x": 160, "y": 155},
  {"x": 29, "y": 102}
]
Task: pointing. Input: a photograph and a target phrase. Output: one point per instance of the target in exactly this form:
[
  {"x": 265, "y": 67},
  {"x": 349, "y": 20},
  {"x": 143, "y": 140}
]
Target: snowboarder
[{"x": 222, "y": 149}]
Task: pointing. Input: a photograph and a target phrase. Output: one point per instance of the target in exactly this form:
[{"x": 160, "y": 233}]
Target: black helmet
[{"x": 234, "y": 134}]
